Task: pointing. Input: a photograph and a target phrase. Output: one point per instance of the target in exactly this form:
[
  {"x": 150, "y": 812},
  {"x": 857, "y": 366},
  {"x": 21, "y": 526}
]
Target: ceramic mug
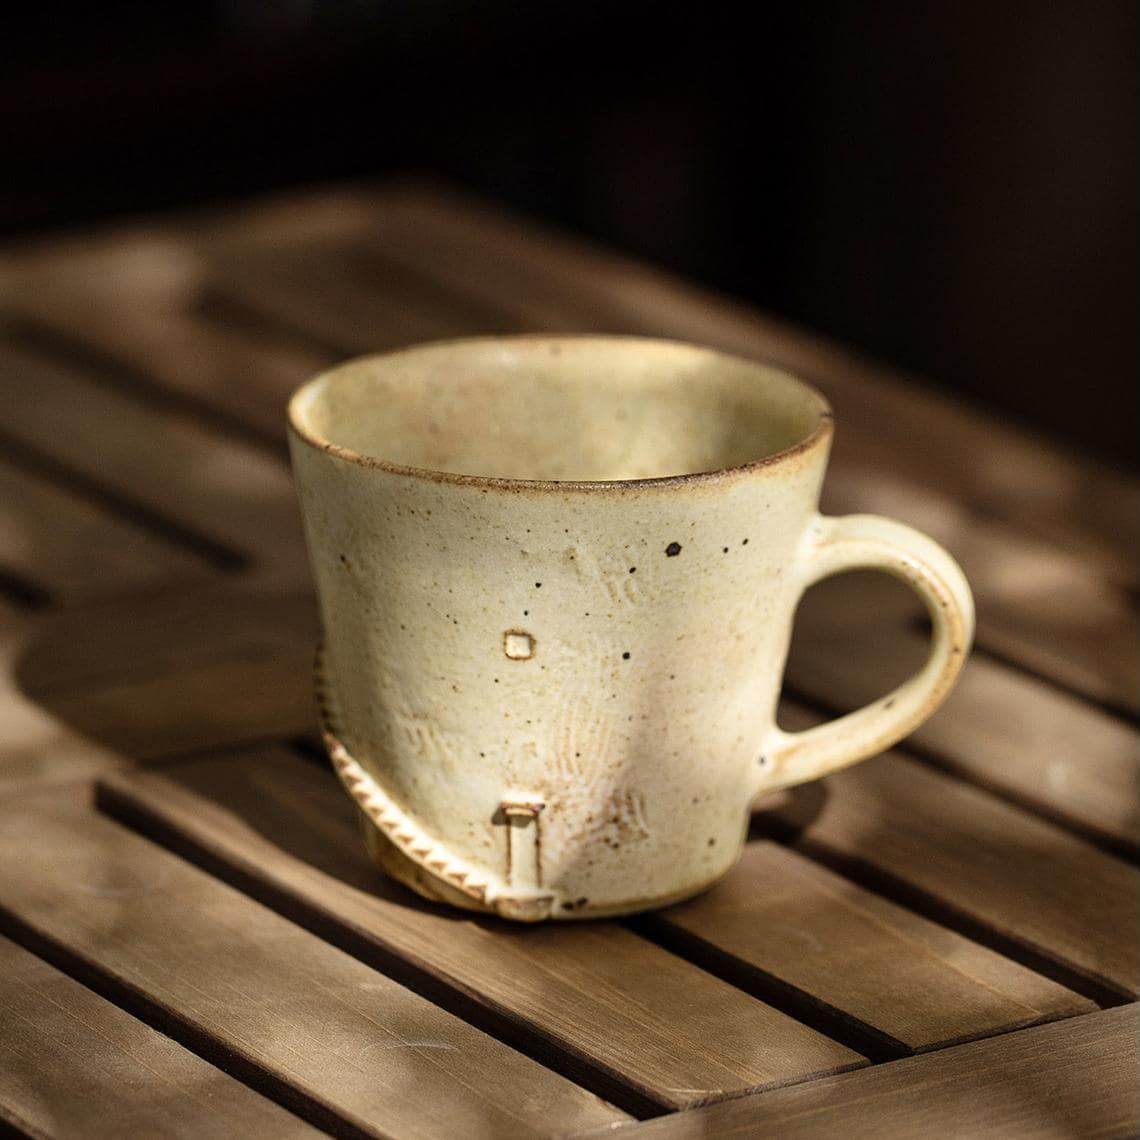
[{"x": 557, "y": 577}]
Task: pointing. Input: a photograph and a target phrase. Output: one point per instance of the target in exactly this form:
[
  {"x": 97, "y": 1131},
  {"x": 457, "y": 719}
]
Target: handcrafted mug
[{"x": 557, "y": 577}]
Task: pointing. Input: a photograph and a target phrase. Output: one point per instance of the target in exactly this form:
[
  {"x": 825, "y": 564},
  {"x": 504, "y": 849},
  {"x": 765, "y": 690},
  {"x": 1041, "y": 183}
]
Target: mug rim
[{"x": 819, "y": 435}]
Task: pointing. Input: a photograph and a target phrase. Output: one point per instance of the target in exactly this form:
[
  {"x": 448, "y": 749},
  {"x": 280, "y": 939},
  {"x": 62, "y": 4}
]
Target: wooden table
[{"x": 942, "y": 941}]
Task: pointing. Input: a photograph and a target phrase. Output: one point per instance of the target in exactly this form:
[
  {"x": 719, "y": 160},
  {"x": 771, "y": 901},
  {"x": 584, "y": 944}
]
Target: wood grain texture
[
  {"x": 328, "y": 291},
  {"x": 133, "y": 304},
  {"x": 35, "y": 746},
  {"x": 911, "y": 983},
  {"x": 77, "y": 1067},
  {"x": 1054, "y": 1082},
  {"x": 331, "y": 1038},
  {"x": 261, "y": 255},
  {"x": 230, "y": 492},
  {"x": 942, "y": 843},
  {"x": 180, "y": 670},
  {"x": 593, "y": 992},
  {"x": 856, "y": 638},
  {"x": 74, "y": 548},
  {"x": 1039, "y": 605},
  {"x": 541, "y": 278}
]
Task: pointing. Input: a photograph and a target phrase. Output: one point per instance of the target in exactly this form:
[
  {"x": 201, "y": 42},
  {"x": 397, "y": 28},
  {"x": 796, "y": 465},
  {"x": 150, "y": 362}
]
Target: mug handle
[{"x": 870, "y": 542}]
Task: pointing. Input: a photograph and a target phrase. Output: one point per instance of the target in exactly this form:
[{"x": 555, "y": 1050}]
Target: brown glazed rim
[{"x": 817, "y": 437}]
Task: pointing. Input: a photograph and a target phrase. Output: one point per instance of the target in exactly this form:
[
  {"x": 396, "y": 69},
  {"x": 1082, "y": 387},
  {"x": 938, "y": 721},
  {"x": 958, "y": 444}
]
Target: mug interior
[{"x": 581, "y": 409}]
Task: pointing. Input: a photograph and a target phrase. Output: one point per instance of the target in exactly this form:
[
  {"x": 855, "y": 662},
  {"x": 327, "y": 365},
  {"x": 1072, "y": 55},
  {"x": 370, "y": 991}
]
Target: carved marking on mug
[
  {"x": 524, "y": 858},
  {"x": 614, "y": 575},
  {"x": 518, "y": 645},
  {"x": 630, "y": 589},
  {"x": 582, "y": 738},
  {"x": 417, "y": 731},
  {"x": 623, "y": 818}
]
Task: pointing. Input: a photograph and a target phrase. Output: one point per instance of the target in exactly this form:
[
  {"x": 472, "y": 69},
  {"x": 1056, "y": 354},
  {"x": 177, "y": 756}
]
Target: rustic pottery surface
[{"x": 557, "y": 580}]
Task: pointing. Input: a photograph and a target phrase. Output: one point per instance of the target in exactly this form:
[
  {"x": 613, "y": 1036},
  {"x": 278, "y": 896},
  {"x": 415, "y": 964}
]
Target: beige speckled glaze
[{"x": 552, "y": 652}]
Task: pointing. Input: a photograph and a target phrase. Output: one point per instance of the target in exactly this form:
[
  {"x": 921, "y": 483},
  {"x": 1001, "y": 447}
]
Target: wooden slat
[
  {"x": 270, "y": 255},
  {"x": 1001, "y": 728},
  {"x": 75, "y": 1065},
  {"x": 526, "y": 278},
  {"x": 907, "y": 981},
  {"x": 405, "y": 266},
  {"x": 206, "y": 667},
  {"x": 615, "y": 1003},
  {"x": 174, "y": 671},
  {"x": 270, "y": 308},
  {"x": 944, "y": 844},
  {"x": 336, "y": 1041},
  {"x": 230, "y": 492},
  {"x": 1058, "y": 613},
  {"x": 1074, "y": 1078},
  {"x": 136, "y": 297},
  {"x": 235, "y": 649},
  {"x": 540, "y": 278},
  {"x": 36, "y": 747},
  {"x": 362, "y": 271},
  {"x": 83, "y": 687},
  {"x": 74, "y": 548},
  {"x": 1038, "y": 605},
  {"x": 329, "y": 291},
  {"x": 473, "y": 267}
]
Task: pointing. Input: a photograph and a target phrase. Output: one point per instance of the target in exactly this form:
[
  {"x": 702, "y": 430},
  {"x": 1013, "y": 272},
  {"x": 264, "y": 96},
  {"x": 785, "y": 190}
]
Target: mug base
[{"x": 396, "y": 865}]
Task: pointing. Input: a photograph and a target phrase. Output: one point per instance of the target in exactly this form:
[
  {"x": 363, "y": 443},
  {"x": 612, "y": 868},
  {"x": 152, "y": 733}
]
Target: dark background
[{"x": 951, "y": 186}]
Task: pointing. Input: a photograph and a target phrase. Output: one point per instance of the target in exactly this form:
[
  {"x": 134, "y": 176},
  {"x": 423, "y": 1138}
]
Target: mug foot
[{"x": 394, "y": 863}]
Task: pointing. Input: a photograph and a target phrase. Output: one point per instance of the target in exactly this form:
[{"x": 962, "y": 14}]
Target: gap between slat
[
  {"x": 856, "y": 1034},
  {"x": 9, "y": 1130},
  {"x": 136, "y": 383},
  {"x": 547, "y": 1051},
  {"x": 931, "y": 758},
  {"x": 921, "y": 624},
  {"x": 103, "y": 368},
  {"x": 34, "y": 462},
  {"x": 100, "y": 367},
  {"x": 215, "y": 306},
  {"x": 834, "y": 1023},
  {"x": 1107, "y": 704},
  {"x": 24, "y": 592},
  {"x": 197, "y": 1041},
  {"x": 803, "y": 1007},
  {"x": 310, "y": 747},
  {"x": 937, "y": 910},
  {"x": 879, "y": 1047}
]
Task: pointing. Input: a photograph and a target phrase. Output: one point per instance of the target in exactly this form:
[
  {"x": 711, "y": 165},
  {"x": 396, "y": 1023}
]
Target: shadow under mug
[{"x": 557, "y": 577}]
